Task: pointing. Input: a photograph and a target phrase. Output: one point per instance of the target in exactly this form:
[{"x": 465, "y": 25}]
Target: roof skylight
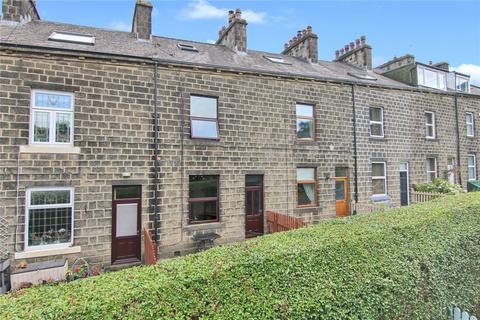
[
  {"x": 187, "y": 47},
  {"x": 72, "y": 37},
  {"x": 276, "y": 59},
  {"x": 363, "y": 76}
]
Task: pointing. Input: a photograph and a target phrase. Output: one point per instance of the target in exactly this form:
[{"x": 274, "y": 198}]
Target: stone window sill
[
  {"x": 49, "y": 149},
  {"x": 47, "y": 252},
  {"x": 203, "y": 226}
]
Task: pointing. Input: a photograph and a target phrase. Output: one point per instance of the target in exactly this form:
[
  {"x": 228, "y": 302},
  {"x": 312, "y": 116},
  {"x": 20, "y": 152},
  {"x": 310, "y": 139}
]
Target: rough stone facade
[{"x": 113, "y": 141}]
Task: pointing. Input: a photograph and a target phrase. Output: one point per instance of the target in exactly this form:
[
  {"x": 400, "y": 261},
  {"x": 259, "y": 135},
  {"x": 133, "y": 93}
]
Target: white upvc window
[
  {"x": 462, "y": 83},
  {"x": 431, "y": 78},
  {"x": 379, "y": 178},
  {"x": 430, "y": 125},
  {"x": 470, "y": 125},
  {"x": 431, "y": 169},
  {"x": 49, "y": 218},
  {"x": 472, "y": 167},
  {"x": 376, "y": 122},
  {"x": 51, "y": 118}
]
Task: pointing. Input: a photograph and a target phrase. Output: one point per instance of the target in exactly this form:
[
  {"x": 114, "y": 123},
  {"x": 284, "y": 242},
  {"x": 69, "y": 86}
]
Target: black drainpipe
[
  {"x": 355, "y": 155},
  {"x": 458, "y": 139},
  {"x": 155, "y": 159}
]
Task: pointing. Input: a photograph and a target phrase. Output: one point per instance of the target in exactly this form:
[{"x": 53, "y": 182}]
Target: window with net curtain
[
  {"x": 52, "y": 118},
  {"x": 472, "y": 167},
  {"x": 203, "y": 117},
  {"x": 49, "y": 217},
  {"x": 429, "y": 125},
  {"x": 306, "y": 187},
  {"x": 379, "y": 178},
  {"x": 469, "y": 123}
]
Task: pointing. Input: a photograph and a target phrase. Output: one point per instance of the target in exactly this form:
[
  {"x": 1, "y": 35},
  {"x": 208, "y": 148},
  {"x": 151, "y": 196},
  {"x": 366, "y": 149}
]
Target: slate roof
[{"x": 36, "y": 33}]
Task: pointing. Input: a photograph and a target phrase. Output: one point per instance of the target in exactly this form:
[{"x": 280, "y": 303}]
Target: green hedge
[{"x": 409, "y": 263}]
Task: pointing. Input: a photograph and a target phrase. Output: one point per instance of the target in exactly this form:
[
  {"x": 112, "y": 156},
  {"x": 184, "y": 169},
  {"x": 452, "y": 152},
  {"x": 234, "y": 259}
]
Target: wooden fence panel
[
  {"x": 150, "y": 252},
  {"x": 278, "y": 222},
  {"x": 417, "y": 196}
]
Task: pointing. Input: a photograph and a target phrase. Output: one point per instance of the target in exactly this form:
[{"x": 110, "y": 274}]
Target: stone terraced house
[{"x": 239, "y": 132}]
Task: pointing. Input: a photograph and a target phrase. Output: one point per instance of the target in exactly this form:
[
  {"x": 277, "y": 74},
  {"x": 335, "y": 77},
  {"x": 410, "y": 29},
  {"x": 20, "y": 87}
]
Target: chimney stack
[
  {"x": 358, "y": 53},
  {"x": 234, "y": 36},
  {"x": 19, "y": 11},
  {"x": 304, "y": 45},
  {"x": 142, "y": 20}
]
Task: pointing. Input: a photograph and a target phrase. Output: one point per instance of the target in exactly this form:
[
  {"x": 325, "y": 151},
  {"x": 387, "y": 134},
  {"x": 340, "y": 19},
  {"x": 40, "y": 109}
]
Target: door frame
[
  {"x": 114, "y": 248},
  {"x": 262, "y": 198},
  {"x": 408, "y": 181}
]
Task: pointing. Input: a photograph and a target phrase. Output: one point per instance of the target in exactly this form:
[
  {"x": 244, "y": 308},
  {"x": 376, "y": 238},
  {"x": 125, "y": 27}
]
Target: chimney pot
[
  {"x": 342, "y": 51},
  {"x": 337, "y": 54},
  {"x": 352, "y": 45},
  {"x": 238, "y": 14},
  {"x": 299, "y": 34},
  {"x": 309, "y": 29},
  {"x": 363, "y": 40},
  {"x": 357, "y": 43},
  {"x": 285, "y": 45},
  {"x": 294, "y": 39},
  {"x": 346, "y": 48},
  {"x": 304, "y": 32}
]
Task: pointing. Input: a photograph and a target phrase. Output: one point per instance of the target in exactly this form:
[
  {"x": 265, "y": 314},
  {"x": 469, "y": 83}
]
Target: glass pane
[
  {"x": 403, "y": 167},
  {"x": 62, "y": 127},
  {"x": 304, "y": 110},
  {"x": 306, "y": 194},
  {"x": 253, "y": 181},
  {"x": 428, "y": 118},
  {"x": 41, "y": 122},
  {"x": 256, "y": 203},
  {"x": 204, "y": 107},
  {"x": 203, "y": 211},
  {"x": 462, "y": 84},
  {"x": 49, "y": 197},
  {"x": 430, "y": 132},
  {"x": 127, "y": 192},
  {"x": 378, "y": 169},
  {"x": 49, "y": 226},
  {"x": 431, "y": 176},
  {"x": 375, "y": 114},
  {"x": 341, "y": 172},
  {"x": 305, "y": 174},
  {"x": 471, "y": 173},
  {"x": 304, "y": 129},
  {"x": 127, "y": 219},
  {"x": 249, "y": 203},
  {"x": 378, "y": 186},
  {"x": 204, "y": 129},
  {"x": 203, "y": 186},
  {"x": 471, "y": 161},
  {"x": 50, "y": 100},
  {"x": 431, "y": 164},
  {"x": 376, "y": 130},
  {"x": 469, "y": 129},
  {"x": 339, "y": 190}
]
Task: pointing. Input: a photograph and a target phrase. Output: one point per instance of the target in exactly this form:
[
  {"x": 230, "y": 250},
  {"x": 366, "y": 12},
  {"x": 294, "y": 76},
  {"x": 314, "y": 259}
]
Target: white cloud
[
  {"x": 472, "y": 70},
  {"x": 120, "y": 26},
  {"x": 201, "y": 9},
  {"x": 254, "y": 17}
]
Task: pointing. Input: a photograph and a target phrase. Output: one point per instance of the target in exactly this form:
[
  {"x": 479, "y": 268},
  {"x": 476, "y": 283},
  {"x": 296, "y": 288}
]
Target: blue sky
[{"x": 430, "y": 30}]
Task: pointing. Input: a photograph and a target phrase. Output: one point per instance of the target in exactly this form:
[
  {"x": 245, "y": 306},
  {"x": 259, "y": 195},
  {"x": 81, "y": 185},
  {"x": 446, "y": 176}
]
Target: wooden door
[
  {"x": 341, "y": 196},
  {"x": 126, "y": 221},
  {"x": 253, "y": 205}
]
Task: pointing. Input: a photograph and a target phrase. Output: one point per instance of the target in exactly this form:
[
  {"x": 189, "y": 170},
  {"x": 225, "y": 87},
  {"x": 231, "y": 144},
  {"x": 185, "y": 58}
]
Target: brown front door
[
  {"x": 341, "y": 196},
  {"x": 126, "y": 214},
  {"x": 253, "y": 205}
]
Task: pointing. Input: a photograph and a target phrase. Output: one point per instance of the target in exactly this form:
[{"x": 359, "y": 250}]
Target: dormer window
[
  {"x": 276, "y": 59},
  {"x": 462, "y": 83},
  {"x": 187, "y": 47},
  {"x": 72, "y": 37},
  {"x": 431, "y": 78}
]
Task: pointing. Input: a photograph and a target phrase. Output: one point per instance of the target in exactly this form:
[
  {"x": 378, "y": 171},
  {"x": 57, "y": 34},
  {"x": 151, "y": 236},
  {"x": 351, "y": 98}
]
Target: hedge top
[{"x": 408, "y": 263}]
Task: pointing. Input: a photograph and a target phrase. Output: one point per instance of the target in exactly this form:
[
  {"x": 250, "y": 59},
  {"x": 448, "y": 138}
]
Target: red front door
[
  {"x": 253, "y": 205},
  {"x": 126, "y": 214}
]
